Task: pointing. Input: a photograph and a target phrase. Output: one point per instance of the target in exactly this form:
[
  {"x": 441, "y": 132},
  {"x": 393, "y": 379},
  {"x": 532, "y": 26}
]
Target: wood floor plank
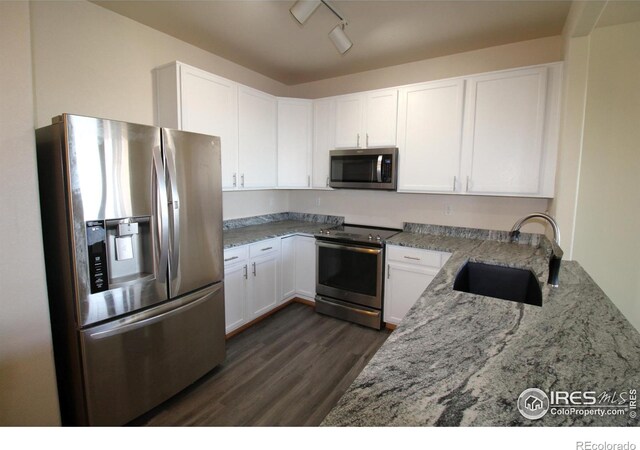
[{"x": 288, "y": 370}]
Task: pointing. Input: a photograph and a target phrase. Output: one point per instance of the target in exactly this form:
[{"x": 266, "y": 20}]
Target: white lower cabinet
[
  {"x": 409, "y": 272},
  {"x": 298, "y": 267},
  {"x": 252, "y": 282}
]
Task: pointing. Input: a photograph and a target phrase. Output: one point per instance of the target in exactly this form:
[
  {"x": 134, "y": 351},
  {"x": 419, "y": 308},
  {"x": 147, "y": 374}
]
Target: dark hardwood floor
[{"x": 288, "y": 370}]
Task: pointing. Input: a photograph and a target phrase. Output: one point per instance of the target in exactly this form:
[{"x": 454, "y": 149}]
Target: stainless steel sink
[{"x": 507, "y": 283}]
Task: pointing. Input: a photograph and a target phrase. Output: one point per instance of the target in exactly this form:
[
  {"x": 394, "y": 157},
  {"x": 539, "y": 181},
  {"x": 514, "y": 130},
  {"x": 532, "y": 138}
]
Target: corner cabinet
[
  {"x": 298, "y": 267},
  {"x": 409, "y": 272},
  {"x": 366, "y": 120},
  {"x": 324, "y": 128},
  {"x": 191, "y": 99},
  {"x": 295, "y": 138}
]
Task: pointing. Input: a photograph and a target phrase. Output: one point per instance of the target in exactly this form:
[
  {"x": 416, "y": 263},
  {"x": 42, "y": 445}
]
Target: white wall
[
  {"x": 253, "y": 203},
  {"x": 608, "y": 207},
  {"x": 28, "y": 394},
  {"x": 391, "y": 209},
  {"x": 91, "y": 61},
  {"x": 518, "y": 54}
]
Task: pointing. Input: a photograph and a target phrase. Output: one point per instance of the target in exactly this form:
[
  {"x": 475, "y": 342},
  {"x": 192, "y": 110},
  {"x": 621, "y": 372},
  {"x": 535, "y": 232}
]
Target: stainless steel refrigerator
[{"x": 132, "y": 230}]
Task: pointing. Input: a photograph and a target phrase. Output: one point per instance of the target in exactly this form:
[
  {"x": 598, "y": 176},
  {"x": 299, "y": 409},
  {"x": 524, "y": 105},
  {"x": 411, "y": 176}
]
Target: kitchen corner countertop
[
  {"x": 464, "y": 359},
  {"x": 254, "y": 233}
]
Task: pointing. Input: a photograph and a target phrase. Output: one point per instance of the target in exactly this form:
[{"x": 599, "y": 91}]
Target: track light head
[
  {"x": 302, "y": 9},
  {"x": 340, "y": 38}
]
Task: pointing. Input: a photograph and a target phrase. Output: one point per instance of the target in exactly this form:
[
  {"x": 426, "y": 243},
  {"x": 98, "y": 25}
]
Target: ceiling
[{"x": 264, "y": 37}]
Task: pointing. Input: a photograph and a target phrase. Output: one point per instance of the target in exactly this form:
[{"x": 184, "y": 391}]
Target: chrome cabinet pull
[
  {"x": 242, "y": 180},
  {"x": 388, "y": 271},
  {"x": 358, "y": 140},
  {"x": 367, "y": 141},
  {"x": 327, "y": 181},
  {"x": 467, "y": 188},
  {"x": 246, "y": 272},
  {"x": 454, "y": 183},
  {"x": 412, "y": 257},
  {"x": 254, "y": 269},
  {"x": 230, "y": 259},
  {"x": 263, "y": 250},
  {"x": 235, "y": 179},
  {"x": 308, "y": 180}
]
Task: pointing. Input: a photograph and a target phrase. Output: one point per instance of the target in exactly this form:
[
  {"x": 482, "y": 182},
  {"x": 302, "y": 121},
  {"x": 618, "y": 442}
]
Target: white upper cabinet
[
  {"x": 191, "y": 99},
  {"x": 257, "y": 139},
  {"x": 366, "y": 120},
  {"x": 295, "y": 136},
  {"x": 323, "y": 140},
  {"x": 504, "y": 140},
  {"x": 430, "y": 136}
]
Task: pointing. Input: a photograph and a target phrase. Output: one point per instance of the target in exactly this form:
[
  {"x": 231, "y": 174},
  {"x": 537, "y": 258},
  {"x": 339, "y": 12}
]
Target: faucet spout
[{"x": 556, "y": 251}]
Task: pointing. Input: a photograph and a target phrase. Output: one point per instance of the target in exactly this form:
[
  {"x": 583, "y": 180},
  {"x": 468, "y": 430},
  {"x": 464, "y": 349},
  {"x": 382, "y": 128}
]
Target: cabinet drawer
[
  {"x": 415, "y": 256},
  {"x": 264, "y": 247},
  {"x": 235, "y": 255}
]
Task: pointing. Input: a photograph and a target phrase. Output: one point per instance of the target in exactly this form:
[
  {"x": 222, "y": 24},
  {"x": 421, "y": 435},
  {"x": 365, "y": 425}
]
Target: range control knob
[
  {"x": 370, "y": 236},
  {"x": 321, "y": 231},
  {"x": 378, "y": 238}
]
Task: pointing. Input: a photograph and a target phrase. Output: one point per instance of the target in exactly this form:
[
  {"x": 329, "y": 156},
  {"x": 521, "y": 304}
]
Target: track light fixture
[{"x": 303, "y": 9}]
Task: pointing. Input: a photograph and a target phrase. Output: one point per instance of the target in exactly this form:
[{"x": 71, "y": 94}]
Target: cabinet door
[
  {"x": 235, "y": 313},
  {"x": 288, "y": 268},
  {"x": 404, "y": 285},
  {"x": 323, "y": 140},
  {"x": 381, "y": 115},
  {"x": 294, "y": 142},
  {"x": 503, "y": 136},
  {"x": 210, "y": 106},
  {"x": 430, "y": 136},
  {"x": 306, "y": 266},
  {"x": 264, "y": 292},
  {"x": 349, "y": 120},
  {"x": 257, "y": 115}
]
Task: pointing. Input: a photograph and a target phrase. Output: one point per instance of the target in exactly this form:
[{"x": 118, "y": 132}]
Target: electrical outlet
[
  {"x": 448, "y": 210},
  {"x": 318, "y": 201}
]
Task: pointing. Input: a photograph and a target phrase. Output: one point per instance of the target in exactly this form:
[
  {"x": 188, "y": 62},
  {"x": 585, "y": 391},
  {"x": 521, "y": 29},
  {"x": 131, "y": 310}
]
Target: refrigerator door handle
[
  {"x": 175, "y": 214},
  {"x": 161, "y": 214}
]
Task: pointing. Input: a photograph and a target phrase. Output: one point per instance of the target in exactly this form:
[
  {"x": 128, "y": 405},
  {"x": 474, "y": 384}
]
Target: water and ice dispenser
[{"x": 120, "y": 252}]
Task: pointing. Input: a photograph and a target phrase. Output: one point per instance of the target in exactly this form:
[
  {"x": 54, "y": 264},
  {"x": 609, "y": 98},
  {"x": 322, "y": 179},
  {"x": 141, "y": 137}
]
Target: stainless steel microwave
[{"x": 371, "y": 168}]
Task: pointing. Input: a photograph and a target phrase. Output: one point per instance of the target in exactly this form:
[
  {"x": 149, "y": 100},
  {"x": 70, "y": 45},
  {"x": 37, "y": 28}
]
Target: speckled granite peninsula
[
  {"x": 246, "y": 230},
  {"x": 463, "y": 359}
]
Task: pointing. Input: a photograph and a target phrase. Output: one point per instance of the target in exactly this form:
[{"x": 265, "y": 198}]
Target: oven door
[{"x": 351, "y": 273}]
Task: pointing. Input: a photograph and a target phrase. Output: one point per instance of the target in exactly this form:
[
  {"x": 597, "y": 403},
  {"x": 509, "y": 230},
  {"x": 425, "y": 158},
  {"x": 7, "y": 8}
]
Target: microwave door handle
[{"x": 379, "y": 169}]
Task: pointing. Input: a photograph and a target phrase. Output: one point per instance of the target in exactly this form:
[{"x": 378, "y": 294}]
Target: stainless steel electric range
[{"x": 350, "y": 273}]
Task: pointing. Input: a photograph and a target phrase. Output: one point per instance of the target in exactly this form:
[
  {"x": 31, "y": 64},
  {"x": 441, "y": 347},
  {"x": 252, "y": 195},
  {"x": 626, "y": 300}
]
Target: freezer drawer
[{"x": 134, "y": 364}]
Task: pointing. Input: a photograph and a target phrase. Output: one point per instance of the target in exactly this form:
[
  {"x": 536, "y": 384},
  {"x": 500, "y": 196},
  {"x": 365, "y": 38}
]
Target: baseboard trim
[{"x": 267, "y": 314}]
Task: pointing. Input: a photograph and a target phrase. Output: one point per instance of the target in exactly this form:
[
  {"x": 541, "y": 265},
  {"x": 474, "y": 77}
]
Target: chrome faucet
[{"x": 556, "y": 251}]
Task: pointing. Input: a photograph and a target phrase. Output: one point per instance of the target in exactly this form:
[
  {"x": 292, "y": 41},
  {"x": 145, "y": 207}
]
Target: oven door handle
[
  {"x": 379, "y": 169},
  {"x": 351, "y": 248}
]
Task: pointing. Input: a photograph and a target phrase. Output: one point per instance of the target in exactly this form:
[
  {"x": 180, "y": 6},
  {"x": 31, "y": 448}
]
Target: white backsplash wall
[
  {"x": 237, "y": 204},
  {"x": 391, "y": 209}
]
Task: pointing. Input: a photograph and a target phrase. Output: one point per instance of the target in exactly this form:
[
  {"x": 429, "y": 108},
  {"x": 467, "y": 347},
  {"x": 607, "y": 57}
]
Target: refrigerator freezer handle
[
  {"x": 161, "y": 214},
  {"x": 175, "y": 206}
]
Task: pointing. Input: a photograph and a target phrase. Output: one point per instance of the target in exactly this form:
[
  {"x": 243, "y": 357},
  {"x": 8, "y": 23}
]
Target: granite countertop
[
  {"x": 253, "y": 229},
  {"x": 464, "y": 359}
]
